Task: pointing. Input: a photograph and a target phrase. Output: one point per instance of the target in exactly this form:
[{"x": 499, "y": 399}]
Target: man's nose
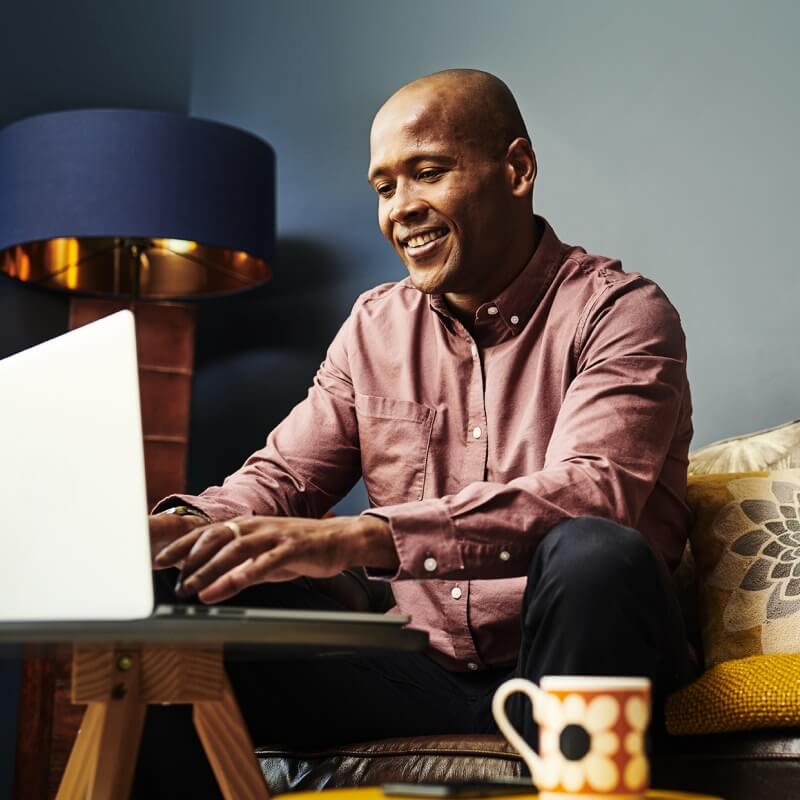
[{"x": 406, "y": 205}]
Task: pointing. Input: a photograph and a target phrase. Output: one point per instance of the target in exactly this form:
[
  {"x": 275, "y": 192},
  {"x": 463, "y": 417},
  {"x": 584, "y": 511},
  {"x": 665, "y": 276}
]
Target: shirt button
[
  {"x": 455, "y": 593},
  {"x": 472, "y": 666},
  {"x": 514, "y": 319},
  {"x": 504, "y": 555},
  {"x": 429, "y": 564},
  {"x": 474, "y": 349},
  {"x": 476, "y": 432},
  {"x": 492, "y": 310}
]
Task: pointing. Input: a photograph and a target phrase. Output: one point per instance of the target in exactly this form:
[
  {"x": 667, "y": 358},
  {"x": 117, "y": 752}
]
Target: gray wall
[{"x": 665, "y": 134}]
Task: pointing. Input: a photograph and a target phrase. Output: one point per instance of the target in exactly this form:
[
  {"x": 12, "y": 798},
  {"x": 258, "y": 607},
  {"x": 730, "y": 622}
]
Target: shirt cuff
[{"x": 425, "y": 539}]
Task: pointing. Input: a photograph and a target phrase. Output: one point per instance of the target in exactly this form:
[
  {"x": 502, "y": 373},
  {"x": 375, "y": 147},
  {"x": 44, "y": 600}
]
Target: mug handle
[{"x": 504, "y": 691}]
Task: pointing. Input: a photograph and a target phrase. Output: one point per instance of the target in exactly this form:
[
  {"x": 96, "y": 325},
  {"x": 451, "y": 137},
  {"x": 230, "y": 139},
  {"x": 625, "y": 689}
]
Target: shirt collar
[{"x": 508, "y": 313}]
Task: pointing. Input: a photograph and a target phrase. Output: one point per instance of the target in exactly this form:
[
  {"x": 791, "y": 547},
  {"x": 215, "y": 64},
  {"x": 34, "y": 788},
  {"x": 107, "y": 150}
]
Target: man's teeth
[{"x": 424, "y": 238}]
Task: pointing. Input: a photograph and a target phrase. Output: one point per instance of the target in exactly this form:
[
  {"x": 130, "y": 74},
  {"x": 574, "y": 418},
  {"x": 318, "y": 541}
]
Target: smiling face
[{"x": 448, "y": 200}]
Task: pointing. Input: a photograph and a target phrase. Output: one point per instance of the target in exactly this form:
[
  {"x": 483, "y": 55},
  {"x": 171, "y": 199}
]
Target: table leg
[
  {"x": 229, "y": 749},
  {"x": 83, "y": 758},
  {"x": 112, "y": 728},
  {"x": 117, "y": 749}
]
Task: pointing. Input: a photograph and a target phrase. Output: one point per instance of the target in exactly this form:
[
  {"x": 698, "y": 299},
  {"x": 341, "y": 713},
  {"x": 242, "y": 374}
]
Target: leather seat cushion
[
  {"x": 421, "y": 759},
  {"x": 728, "y": 765}
]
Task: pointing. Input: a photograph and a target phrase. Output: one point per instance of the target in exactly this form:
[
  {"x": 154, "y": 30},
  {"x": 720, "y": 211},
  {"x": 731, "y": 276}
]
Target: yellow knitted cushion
[{"x": 746, "y": 693}]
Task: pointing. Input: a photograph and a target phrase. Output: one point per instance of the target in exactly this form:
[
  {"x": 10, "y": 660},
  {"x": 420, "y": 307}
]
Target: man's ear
[{"x": 521, "y": 164}]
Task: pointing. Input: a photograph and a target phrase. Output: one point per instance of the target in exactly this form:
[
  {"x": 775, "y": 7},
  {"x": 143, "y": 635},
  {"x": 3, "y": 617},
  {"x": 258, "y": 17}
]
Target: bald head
[{"x": 476, "y": 106}]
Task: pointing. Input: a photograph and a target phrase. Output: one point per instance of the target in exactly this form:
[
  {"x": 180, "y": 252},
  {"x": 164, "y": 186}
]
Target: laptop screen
[{"x": 75, "y": 543}]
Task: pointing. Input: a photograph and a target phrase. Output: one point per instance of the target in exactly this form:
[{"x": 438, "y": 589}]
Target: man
[{"x": 520, "y": 412}]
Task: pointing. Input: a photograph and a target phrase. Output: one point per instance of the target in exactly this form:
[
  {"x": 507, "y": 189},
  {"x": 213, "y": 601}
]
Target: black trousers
[{"x": 597, "y": 603}]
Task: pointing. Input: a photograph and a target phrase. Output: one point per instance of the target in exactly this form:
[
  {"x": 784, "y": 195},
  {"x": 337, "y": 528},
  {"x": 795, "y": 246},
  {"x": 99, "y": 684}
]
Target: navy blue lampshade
[{"x": 141, "y": 204}]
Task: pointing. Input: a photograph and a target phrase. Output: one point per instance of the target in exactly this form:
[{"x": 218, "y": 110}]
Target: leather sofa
[{"x": 737, "y": 766}]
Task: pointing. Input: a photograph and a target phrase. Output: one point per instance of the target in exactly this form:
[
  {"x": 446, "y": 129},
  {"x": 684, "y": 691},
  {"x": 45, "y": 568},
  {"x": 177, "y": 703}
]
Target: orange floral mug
[{"x": 591, "y": 735}]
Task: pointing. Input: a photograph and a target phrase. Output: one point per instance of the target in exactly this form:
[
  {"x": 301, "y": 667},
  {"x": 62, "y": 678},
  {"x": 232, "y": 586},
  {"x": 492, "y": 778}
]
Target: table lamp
[{"x": 129, "y": 207}]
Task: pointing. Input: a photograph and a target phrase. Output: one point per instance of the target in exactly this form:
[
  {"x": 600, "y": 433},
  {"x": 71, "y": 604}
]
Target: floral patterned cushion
[
  {"x": 746, "y": 544},
  {"x": 773, "y": 448}
]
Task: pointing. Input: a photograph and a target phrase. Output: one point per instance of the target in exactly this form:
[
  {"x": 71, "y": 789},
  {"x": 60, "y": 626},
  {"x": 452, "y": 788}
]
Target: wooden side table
[{"x": 118, "y": 668}]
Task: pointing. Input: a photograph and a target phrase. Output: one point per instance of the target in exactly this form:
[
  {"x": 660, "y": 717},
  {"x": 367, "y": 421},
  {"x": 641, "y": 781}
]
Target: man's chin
[
  {"x": 428, "y": 281},
  {"x": 427, "y": 287}
]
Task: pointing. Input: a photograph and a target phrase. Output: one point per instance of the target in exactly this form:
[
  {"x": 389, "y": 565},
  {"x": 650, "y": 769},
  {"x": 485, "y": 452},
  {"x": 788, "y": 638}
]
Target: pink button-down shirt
[{"x": 571, "y": 399}]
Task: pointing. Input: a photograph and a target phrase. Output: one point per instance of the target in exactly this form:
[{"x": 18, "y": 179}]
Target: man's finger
[
  {"x": 176, "y": 551},
  {"x": 243, "y": 575},
  {"x": 275, "y": 564},
  {"x": 212, "y": 539},
  {"x": 200, "y": 571},
  {"x": 229, "y": 584}
]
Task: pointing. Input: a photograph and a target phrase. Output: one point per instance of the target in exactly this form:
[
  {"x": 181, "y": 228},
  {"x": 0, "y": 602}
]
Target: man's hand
[
  {"x": 218, "y": 563},
  {"x": 166, "y": 528}
]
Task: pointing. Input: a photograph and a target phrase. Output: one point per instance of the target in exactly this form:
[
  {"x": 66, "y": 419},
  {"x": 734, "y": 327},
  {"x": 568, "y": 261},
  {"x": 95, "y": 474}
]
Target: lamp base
[
  {"x": 165, "y": 343},
  {"x": 47, "y": 720}
]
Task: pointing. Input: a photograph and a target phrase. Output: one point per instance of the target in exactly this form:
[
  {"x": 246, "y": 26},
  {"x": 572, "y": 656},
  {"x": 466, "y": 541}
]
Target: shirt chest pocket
[{"x": 394, "y": 437}]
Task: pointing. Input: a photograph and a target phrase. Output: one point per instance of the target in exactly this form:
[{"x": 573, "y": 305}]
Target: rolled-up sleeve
[{"x": 310, "y": 460}]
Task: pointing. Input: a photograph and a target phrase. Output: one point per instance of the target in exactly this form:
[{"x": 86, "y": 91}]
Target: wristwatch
[{"x": 186, "y": 511}]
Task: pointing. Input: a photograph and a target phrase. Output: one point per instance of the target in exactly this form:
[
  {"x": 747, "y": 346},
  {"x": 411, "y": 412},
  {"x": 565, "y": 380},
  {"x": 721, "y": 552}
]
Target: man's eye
[
  {"x": 430, "y": 173},
  {"x": 384, "y": 189}
]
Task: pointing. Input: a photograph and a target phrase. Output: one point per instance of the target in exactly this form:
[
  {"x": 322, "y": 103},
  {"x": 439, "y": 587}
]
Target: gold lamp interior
[{"x": 145, "y": 269}]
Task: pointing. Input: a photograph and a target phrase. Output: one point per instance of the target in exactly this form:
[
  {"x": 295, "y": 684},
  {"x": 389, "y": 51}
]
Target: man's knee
[
  {"x": 598, "y": 602},
  {"x": 588, "y": 553}
]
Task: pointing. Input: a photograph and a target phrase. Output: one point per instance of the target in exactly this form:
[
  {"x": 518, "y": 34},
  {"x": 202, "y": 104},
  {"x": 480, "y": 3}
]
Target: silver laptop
[{"x": 74, "y": 542}]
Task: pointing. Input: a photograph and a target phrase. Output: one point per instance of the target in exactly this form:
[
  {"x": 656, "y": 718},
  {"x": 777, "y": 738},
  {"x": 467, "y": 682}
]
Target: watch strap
[{"x": 186, "y": 511}]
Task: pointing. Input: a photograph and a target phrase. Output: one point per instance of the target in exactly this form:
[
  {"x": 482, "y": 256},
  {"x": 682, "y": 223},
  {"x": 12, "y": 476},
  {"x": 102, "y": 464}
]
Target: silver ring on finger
[{"x": 234, "y": 528}]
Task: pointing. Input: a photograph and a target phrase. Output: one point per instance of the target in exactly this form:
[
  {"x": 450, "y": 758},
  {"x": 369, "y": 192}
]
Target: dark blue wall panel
[{"x": 78, "y": 54}]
